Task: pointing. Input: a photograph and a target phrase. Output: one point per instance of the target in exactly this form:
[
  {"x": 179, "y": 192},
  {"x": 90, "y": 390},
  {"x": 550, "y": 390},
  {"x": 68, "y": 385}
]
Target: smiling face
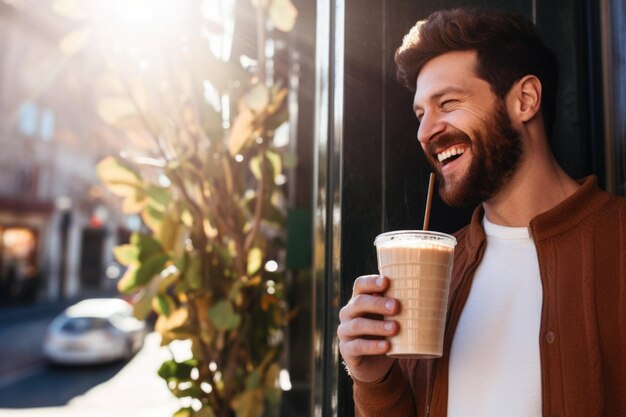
[{"x": 464, "y": 130}]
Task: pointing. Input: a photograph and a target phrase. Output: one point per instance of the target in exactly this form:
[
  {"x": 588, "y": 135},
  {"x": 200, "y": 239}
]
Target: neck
[{"x": 538, "y": 185}]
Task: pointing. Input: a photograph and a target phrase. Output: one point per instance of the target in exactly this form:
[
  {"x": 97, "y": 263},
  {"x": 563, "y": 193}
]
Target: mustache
[{"x": 445, "y": 140}]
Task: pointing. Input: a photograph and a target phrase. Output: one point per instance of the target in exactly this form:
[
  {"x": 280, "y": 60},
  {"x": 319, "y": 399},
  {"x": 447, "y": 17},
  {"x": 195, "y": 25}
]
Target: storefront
[{"x": 22, "y": 260}]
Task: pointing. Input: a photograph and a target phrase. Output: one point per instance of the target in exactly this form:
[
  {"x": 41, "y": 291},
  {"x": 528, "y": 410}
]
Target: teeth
[{"x": 449, "y": 153}]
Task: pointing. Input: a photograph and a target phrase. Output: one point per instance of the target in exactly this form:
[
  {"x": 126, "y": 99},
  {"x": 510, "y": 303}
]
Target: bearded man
[{"x": 537, "y": 308}]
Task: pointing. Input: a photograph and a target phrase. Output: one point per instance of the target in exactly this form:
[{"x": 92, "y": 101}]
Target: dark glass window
[
  {"x": 619, "y": 41},
  {"x": 84, "y": 324},
  {"x": 615, "y": 90}
]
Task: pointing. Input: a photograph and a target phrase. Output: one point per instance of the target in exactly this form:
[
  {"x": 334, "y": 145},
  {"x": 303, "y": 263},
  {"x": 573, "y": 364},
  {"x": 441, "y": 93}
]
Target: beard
[{"x": 496, "y": 151}]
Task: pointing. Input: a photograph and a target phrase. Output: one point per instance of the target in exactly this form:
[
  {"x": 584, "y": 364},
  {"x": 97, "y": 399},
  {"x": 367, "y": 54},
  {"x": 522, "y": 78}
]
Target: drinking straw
[{"x": 429, "y": 200}]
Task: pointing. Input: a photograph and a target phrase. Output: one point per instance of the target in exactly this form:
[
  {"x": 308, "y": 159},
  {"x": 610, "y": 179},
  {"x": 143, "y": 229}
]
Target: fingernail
[
  {"x": 389, "y": 305},
  {"x": 382, "y": 344},
  {"x": 388, "y": 326},
  {"x": 379, "y": 282}
]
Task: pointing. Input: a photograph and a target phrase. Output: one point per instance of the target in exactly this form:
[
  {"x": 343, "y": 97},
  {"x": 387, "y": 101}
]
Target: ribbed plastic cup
[{"x": 419, "y": 265}]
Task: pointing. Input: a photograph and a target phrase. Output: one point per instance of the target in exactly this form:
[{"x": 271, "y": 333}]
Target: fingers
[
  {"x": 359, "y": 332},
  {"x": 362, "y": 347},
  {"x": 361, "y": 326},
  {"x": 363, "y": 304},
  {"x": 370, "y": 284},
  {"x": 362, "y": 331},
  {"x": 366, "y": 298}
]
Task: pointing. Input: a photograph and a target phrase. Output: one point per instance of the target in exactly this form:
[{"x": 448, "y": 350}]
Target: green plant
[{"x": 209, "y": 188}]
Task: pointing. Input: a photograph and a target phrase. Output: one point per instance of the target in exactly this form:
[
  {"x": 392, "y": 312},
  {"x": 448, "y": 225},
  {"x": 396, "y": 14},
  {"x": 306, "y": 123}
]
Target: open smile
[{"x": 450, "y": 154}]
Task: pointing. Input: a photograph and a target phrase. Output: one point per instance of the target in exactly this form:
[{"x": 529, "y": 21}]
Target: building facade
[{"x": 57, "y": 225}]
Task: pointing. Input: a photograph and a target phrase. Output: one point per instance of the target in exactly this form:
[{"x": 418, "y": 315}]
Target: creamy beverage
[{"x": 418, "y": 265}]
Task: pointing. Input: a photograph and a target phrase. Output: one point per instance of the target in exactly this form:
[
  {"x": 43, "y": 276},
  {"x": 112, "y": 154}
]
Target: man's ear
[{"x": 524, "y": 98}]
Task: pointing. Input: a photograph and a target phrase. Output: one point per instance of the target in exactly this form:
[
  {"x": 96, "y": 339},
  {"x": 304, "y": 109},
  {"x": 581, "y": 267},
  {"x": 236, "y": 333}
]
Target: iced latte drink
[{"x": 418, "y": 265}]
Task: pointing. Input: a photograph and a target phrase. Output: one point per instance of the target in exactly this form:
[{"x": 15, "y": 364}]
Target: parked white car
[{"x": 94, "y": 331}]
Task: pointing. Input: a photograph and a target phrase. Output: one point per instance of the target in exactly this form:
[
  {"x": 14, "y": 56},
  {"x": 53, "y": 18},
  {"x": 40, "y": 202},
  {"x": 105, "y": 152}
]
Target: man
[{"x": 537, "y": 309}]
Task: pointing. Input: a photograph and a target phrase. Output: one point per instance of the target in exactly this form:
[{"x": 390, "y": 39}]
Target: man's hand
[{"x": 362, "y": 338}]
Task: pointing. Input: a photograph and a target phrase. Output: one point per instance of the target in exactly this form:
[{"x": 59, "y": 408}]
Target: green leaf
[
  {"x": 128, "y": 282},
  {"x": 143, "y": 305},
  {"x": 224, "y": 316},
  {"x": 275, "y": 161},
  {"x": 181, "y": 263},
  {"x": 194, "y": 391},
  {"x": 255, "y": 166},
  {"x": 253, "y": 380},
  {"x": 271, "y": 376},
  {"x": 134, "y": 203},
  {"x": 177, "y": 371},
  {"x": 177, "y": 319},
  {"x": 283, "y": 14},
  {"x": 146, "y": 244},
  {"x": 139, "y": 274},
  {"x": 163, "y": 304},
  {"x": 277, "y": 109},
  {"x": 184, "y": 412},
  {"x": 235, "y": 290},
  {"x": 187, "y": 218},
  {"x": 255, "y": 260},
  {"x": 204, "y": 412},
  {"x": 271, "y": 388},
  {"x": 118, "y": 177},
  {"x": 126, "y": 254},
  {"x": 250, "y": 403},
  {"x": 272, "y": 395},
  {"x": 241, "y": 131},
  {"x": 172, "y": 232},
  {"x": 151, "y": 267},
  {"x": 159, "y": 196},
  {"x": 152, "y": 217},
  {"x": 271, "y": 213}
]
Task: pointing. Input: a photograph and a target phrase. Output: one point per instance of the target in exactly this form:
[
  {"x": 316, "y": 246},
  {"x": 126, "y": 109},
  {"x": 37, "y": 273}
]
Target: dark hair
[{"x": 508, "y": 48}]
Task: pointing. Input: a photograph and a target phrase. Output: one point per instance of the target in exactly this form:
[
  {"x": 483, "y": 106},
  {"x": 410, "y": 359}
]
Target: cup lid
[{"x": 422, "y": 236}]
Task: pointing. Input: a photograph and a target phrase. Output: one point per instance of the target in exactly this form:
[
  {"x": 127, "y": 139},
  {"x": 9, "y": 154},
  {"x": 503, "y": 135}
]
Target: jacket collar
[
  {"x": 558, "y": 219},
  {"x": 570, "y": 212}
]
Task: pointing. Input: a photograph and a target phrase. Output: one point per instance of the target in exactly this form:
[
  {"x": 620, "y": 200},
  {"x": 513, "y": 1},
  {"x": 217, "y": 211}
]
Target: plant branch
[
  {"x": 204, "y": 350},
  {"x": 258, "y": 210},
  {"x": 142, "y": 116}
]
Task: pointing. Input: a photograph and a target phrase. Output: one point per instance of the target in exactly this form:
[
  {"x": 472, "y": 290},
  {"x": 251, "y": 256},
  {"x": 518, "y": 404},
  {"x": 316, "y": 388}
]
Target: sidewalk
[{"x": 136, "y": 391}]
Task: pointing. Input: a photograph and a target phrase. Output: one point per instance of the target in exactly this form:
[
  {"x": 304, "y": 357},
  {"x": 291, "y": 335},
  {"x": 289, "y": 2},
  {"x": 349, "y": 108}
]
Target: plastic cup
[{"x": 418, "y": 264}]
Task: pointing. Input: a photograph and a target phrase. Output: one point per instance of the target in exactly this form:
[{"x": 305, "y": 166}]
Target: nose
[{"x": 429, "y": 126}]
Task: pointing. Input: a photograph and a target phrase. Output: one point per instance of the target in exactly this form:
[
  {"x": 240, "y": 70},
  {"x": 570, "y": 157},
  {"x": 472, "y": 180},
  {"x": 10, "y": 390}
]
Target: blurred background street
[
  {"x": 31, "y": 387},
  {"x": 82, "y": 82}
]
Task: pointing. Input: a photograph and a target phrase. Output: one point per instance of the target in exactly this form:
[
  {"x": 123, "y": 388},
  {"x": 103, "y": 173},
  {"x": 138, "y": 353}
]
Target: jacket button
[{"x": 550, "y": 336}]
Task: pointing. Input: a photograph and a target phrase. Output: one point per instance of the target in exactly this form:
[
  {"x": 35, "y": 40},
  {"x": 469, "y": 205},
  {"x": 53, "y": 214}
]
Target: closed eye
[{"x": 446, "y": 104}]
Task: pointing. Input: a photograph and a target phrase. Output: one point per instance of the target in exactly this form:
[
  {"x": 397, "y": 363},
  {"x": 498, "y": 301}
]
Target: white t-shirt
[{"x": 495, "y": 367}]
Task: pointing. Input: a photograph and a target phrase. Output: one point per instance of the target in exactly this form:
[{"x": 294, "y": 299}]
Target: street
[{"x": 31, "y": 388}]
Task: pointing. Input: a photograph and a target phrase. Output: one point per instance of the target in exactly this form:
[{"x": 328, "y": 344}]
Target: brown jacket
[{"x": 581, "y": 246}]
